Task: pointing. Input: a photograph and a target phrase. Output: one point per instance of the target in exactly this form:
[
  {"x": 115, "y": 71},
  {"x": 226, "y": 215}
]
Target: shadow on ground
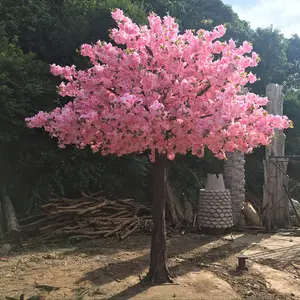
[
  {"x": 183, "y": 258},
  {"x": 109, "y": 246},
  {"x": 120, "y": 270},
  {"x": 281, "y": 258}
]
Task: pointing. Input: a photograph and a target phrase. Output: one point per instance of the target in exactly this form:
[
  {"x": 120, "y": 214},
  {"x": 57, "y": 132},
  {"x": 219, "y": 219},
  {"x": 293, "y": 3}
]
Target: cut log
[
  {"x": 13, "y": 232},
  {"x": 39, "y": 223},
  {"x": 96, "y": 208},
  {"x": 55, "y": 226},
  {"x": 31, "y": 218},
  {"x": 119, "y": 214},
  {"x": 122, "y": 237},
  {"x": 121, "y": 226}
]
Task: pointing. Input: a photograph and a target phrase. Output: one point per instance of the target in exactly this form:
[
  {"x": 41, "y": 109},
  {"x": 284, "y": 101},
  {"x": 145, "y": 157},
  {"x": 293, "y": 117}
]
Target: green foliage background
[{"x": 35, "y": 33}]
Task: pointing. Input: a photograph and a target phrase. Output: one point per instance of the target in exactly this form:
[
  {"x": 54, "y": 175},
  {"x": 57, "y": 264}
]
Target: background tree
[
  {"x": 34, "y": 165},
  {"x": 292, "y": 81},
  {"x": 272, "y": 47},
  {"x": 22, "y": 92},
  {"x": 204, "y": 14},
  {"x": 53, "y": 28}
]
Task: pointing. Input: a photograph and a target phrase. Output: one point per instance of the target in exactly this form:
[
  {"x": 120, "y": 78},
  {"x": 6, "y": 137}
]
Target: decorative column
[
  {"x": 215, "y": 211},
  {"x": 234, "y": 178}
]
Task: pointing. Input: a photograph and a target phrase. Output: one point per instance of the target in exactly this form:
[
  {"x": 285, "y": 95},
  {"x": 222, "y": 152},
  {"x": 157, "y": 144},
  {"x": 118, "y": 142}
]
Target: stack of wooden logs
[{"x": 86, "y": 217}]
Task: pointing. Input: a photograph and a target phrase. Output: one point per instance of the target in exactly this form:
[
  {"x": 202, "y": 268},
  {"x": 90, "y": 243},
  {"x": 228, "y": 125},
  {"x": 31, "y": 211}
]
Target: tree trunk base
[
  {"x": 159, "y": 275},
  {"x": 158, "y": 272}
]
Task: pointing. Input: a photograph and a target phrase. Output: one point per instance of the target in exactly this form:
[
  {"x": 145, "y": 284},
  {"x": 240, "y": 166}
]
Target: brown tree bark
[{"x": 159, "y": 272}]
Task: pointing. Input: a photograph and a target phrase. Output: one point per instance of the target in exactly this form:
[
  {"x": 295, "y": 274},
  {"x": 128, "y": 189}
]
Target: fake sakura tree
[{"x": 156, "y": 89}]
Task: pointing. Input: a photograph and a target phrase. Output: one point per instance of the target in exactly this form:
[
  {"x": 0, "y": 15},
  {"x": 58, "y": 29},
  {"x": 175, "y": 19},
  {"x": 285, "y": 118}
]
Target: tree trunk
[
  {"x": 159, "y": 272},
  {"x": 13, "y": 232}
]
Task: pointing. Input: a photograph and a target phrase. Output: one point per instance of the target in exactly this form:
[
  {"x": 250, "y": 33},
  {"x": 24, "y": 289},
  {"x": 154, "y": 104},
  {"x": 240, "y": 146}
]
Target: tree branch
[
  {"x": 112, "y": 91},
  {"x": 206, "y": 116},
  {"x": 196, "y": 177},
  {"x": 149, "y": 50},
  {"x": 204, "y": 90}
]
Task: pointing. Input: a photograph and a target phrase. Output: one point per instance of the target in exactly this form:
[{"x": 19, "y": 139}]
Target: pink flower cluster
[{"x": 167, "y": 91}]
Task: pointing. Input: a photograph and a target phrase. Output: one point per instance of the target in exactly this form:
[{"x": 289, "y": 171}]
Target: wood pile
[{"x": 86, "y": 217}]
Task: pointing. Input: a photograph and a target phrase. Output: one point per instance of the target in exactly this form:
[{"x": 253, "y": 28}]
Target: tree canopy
[{"x": 165, "y": 92}]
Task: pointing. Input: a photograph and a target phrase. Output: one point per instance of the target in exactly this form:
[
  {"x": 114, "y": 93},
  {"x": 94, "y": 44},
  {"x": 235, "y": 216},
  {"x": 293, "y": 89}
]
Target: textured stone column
[
  {"x": 215, "y": 212},
  {"x": 234, "y": 178}
]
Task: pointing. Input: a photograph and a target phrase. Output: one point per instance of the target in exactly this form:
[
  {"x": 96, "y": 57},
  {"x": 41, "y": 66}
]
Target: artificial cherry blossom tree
[{"x": 159, "y": 90}]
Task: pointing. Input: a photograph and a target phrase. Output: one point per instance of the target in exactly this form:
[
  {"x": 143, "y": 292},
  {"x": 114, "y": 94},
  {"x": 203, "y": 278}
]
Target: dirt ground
[{"x": 204, "y": 266}]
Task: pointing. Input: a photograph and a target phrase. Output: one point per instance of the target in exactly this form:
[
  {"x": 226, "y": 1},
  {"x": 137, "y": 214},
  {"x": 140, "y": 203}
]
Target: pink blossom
[
  {"x": 251, "y": 77},
  {"x": 56, "y": 70},
  {"x": 134, "y": 60},
  {"x": 163, "y": 91},
  {"x": 171, "y": 156},
  {"x": 247, "y": 47},
  {"x": 118, "y": 14},
  {"x": 157, "y": 106}
]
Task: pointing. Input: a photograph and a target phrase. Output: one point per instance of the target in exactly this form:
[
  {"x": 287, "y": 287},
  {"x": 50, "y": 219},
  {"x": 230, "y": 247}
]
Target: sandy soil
[{"x": 204, "y": 266}]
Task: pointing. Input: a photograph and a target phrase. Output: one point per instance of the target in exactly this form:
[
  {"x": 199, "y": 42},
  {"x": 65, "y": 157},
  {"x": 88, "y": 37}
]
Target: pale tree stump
[
  {"x": 12, "y": 228},
  {"x": 275, "y": 200}
]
